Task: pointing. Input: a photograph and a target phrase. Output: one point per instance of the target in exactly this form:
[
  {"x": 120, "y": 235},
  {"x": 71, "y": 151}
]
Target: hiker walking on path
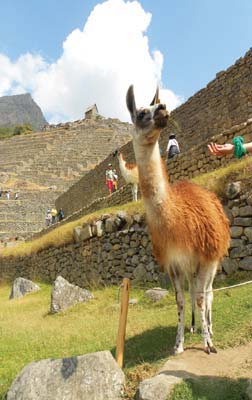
[
  {"x": 172, "y": 146},
  {"x": 115, "y": 180},
  {"x": 48, "y": 218},
  {"x": 109, "y": 178},
  {"x": 61, "y": 214}
]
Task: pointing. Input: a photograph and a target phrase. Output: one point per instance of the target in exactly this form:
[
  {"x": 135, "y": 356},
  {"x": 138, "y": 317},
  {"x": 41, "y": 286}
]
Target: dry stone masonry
[{"x": 114, "y": 247}]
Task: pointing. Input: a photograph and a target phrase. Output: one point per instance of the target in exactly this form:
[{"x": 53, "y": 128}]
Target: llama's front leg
[
  {"x": 134, "y": 191},
  {"x": 201, "y": 303},
  {"x": 178, "y": 282}
]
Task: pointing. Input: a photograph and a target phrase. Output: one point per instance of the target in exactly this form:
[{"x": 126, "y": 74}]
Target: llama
[
  {"x": 129, "y": 171},
  {"x": 187, "y": 224}
]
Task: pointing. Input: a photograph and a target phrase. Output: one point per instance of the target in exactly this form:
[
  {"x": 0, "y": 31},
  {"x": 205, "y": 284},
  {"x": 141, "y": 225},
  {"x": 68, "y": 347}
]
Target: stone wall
[
  {"x": 119, "y": 246},
  {"x": 198, "y": 160},
  {"x": 226, "y": 102}
]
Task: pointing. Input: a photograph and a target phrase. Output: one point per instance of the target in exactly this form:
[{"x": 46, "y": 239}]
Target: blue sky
[{"x": 196, "y": 38}]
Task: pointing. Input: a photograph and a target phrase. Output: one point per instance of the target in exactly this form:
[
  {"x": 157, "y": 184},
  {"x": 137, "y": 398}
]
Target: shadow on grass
[
  {"x": 196, "y": 387},
  {"x": 150, "y": 346}
]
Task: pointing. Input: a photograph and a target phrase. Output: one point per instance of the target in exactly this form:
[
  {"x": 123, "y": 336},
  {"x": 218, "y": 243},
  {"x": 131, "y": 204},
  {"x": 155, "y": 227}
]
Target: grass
[
  {"x": 210, "y": 389},
  {"x": 216, "y": 180},
  {"x": 28, "y": 332}
]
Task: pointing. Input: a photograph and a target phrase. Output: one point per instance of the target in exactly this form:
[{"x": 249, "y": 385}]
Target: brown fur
[
  {"x": 128, "y": 165},
  {"x": 191, "y": 218}
]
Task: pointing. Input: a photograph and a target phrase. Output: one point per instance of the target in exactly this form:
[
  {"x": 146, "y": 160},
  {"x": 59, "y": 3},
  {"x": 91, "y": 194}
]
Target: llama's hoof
[
  {"x": 193, "y": 329},
  {"x": 178, "y": 350},
  {"x": 213, "y": 349},
  {"x": 210, "y": 349}
]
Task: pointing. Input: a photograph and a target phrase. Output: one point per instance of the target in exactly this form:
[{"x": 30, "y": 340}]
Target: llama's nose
[{"x": 161, "y": 107}]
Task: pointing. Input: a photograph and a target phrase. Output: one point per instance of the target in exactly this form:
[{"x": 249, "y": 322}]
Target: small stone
[
  {"x": 156, "y": 294},
  {"x": 233, "y": 189},
  {"x": 157, "y": 388},
  {"x": 133, "y": 302}
]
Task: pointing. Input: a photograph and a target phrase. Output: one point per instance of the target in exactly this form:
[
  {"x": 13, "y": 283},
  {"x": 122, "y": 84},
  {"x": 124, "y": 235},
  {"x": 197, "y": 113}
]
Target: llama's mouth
[{"x": 161, "y": 118}]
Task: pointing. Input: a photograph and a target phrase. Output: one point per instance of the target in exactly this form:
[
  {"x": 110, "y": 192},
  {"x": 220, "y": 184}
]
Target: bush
[{"x": 22, "y": 129}]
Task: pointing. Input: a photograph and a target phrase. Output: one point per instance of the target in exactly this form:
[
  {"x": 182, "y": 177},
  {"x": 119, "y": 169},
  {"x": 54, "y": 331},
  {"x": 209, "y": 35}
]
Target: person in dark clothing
[
  {"x": 172, "y": 146},
  {"x": 61, "y": 214}
]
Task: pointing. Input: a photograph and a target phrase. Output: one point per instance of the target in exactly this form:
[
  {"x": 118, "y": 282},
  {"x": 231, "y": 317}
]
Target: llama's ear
[
  {"x": 155, "y": 98},
  {"x": 131, "y": 104}
]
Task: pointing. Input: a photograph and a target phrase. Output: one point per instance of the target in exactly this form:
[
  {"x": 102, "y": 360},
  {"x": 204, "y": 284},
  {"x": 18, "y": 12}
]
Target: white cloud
[{"x": 97, "y": 66}]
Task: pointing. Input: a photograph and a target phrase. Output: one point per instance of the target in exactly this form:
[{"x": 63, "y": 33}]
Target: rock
[
  {"x": 246, "y": 211},
  {"x": 248, "y": 233},
  {"x": 98, "y": 228},
  {"x": 157, "y": 388},
  {"x": 156, "y": 294},
  {"x": 246, "y": 221},
  {"x": 229, "y": 265},
  {"x": 109, "y": 225},
  {"x": 233, "y": 189},
  {"x": 132, "y": 302},
  {"x": 139, "y": 273},
  {"x": 246, "y": 263},
  {"x": 65, "y": 295},
  {"x": 94, "y": 376},
  {"x": 21, "y": 287},
  {"x": 82, "y": 233},
  {"x": 236, "y": 231}
]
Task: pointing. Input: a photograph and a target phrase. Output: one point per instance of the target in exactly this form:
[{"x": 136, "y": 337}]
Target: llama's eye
[{"x": 141, "y": 115}]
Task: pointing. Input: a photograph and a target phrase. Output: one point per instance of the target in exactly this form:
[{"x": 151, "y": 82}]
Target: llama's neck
[
  {"x": 122, "y": 162},
  {"x": 155, "y": 189}
]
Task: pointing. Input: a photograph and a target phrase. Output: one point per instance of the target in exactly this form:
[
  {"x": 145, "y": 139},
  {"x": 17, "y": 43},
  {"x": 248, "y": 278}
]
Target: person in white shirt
[{"x": 172, "y": 146}]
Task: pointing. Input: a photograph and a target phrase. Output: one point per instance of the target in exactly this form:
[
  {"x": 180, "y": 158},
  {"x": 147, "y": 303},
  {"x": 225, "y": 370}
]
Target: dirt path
[{"x": 232, "y": 363}]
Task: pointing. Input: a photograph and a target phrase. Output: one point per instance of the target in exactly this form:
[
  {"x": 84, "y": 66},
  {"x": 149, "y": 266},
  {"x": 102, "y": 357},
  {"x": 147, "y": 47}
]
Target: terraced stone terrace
[{"x": 42, "y": 165}]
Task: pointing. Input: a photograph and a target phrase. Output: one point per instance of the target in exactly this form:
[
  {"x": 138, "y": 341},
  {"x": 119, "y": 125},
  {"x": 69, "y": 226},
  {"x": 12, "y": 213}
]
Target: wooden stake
[{"x": 122, "y": 322}]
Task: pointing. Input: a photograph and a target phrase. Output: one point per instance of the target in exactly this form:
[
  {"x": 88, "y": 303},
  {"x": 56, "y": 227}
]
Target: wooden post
[{"x": 122, "y": 322}]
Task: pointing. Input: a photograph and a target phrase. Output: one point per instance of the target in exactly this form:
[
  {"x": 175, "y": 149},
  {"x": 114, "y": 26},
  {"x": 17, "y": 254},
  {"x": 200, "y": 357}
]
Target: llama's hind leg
[
  {"x": 192, "y": 290},
  {"x": 209, "y": 299},
  {"x": 178, "y": 283},
  {"x": 203, "y": 278}
]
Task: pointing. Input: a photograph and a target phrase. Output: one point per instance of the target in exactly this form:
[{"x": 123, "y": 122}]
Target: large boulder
[
  {"x": 65, "y": 295},
  {"x": 21, "y": 287},
  {"x": 93, "y": 376}
]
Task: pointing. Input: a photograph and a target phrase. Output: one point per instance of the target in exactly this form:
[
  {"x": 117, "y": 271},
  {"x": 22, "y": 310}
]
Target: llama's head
[{"x": 148, "y": 121}]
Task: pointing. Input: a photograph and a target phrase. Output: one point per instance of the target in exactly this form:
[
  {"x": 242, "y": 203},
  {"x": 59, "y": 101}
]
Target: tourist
[
  {"x": 8, "y": 195},
  {"x": 48, "y": 218},
  {"x": 54, "y": 215},
  {"x": 61, "y": 214},
  {"x": 16, "y": 195},
  {"x": 115, "y": 180},
  {"x": 109, "y": 178},
  {"x": 238, "y": 148},
  {"x": 172, "y": 146}
]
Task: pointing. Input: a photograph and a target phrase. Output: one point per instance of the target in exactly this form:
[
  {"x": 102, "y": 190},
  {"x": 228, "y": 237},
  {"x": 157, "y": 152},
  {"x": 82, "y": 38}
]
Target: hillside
[
  {"x": 20, "y": 109},
  {"x": 43, "y": 165}
]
